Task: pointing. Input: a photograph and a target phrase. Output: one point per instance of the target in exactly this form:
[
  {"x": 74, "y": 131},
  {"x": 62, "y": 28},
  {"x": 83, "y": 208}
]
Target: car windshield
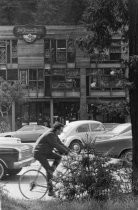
[{"x": 121, "y": 128}]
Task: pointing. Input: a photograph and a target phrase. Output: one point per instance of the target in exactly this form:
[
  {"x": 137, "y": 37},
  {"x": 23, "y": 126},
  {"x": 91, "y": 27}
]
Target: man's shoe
[{"x": 51, "y": 193}]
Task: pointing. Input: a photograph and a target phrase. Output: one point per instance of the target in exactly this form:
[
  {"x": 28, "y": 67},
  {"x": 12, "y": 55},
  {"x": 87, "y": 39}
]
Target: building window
[
  {"x": 103, "y": 79},
  {"x": 3, "y": 74},
  {"x": 61, "y": 51},
  {"x": 36, "y": 79},
  {"x": 70, "y": 51},
  {"x": 115, "y": 50},
  {"x": 8, "y": 52},
  {"x": 24, "y": 76},
  {"x": 58, "y": 82},
  {"x": 12, "y": 74},
  {"x": 3, "y": 54},
  {"x": 14, "y": 51},
  {"x": 47, "y": 50}
]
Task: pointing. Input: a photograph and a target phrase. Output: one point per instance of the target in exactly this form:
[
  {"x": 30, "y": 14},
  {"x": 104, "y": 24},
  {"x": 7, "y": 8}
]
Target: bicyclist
[{"x": 44, "y": 150}]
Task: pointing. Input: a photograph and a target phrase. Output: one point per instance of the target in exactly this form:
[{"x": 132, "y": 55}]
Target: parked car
[
  {"x": 76, "y": 133},
  {"x": 117, "y": 130},
  {"x": 28, "y": 133},
  {"x": 119, "y": 146},
  {"x": 13, "y": 157}
]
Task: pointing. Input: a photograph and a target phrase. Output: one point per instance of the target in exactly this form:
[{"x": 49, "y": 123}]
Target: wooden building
[{"x": 61, "y": 80}]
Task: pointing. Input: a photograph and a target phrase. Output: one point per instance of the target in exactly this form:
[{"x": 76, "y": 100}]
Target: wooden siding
[
  {"x": 31, "y": 55},
  {"x": 6, "y": 32}
]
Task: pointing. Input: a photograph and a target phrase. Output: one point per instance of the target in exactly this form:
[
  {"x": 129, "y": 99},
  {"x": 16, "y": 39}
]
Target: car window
[
  {"x": 27, "y": 128},
  {"x": 96, "y": 127},
  {"x": 83, "y": 128}
]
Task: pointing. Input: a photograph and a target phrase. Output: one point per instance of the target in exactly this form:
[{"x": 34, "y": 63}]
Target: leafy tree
[
  {"x": 13, "y": 12},
  {"x": 103, "y": 18},
  {"x": 9, "y": 94}
]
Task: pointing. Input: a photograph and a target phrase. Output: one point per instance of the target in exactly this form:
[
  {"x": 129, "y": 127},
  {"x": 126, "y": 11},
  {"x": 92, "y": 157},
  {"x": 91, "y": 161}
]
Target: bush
[{"x": 89, "y": 176}]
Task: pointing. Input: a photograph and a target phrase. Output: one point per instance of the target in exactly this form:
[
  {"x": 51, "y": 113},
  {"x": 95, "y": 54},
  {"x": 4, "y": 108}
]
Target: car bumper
[{"x": 23, "y": 163}]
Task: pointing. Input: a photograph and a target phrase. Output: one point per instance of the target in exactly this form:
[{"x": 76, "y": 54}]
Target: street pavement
[{"x": 10, "y": 184}]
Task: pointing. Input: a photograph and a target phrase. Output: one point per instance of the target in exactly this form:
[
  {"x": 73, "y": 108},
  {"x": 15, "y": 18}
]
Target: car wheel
[
  {"x": 127, "y": 156},
  {"x": 13, "y": 172},
  {"x": 2, "y": 171},
  {"x": 76, "y": 146}
]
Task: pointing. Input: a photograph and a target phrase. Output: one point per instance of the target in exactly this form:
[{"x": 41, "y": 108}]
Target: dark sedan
[{"x": 119, "y": 146}]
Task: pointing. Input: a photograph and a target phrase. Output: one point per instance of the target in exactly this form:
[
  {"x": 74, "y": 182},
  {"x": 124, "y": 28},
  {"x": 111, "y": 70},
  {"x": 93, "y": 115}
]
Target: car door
[
  {"x": 26, "y": 133},
  {"x": 83, "y": 132}
]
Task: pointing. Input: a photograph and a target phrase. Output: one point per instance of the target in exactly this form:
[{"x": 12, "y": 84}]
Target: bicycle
[{"x": 33, "y": 183}]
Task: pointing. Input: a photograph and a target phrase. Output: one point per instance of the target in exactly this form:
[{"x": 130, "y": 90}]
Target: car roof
[{"x": 79, "y": 122}]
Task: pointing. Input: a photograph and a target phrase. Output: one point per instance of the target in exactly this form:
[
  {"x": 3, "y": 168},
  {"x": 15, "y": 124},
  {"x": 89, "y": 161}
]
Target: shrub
[{"x": 87, "y": 176}]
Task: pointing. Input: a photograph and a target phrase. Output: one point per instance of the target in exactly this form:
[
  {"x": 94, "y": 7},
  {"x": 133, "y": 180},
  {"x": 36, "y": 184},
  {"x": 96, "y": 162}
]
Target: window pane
[
  {"x": 47, "y": 50},
  {"x": 23, "y": 76},
  {"x": 33, "y": 85},
  {"x": 14, "y": 51},
  {"x": 83, "y": 128},
  {"x": 3, "y": 74},
  {"x": 61, "y": 43},
  {"x": 40, "y": 74},
  {"x": 12, "y": 74},
  {"x": 32, "y": 74},
  {"x": 8, "y": 52}
]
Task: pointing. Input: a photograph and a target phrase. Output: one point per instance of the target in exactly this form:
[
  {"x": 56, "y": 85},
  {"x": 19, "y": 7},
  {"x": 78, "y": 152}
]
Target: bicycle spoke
[{"x": 33, "y": 184}]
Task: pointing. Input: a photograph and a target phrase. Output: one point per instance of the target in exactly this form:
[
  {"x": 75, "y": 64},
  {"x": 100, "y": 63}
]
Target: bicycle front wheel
[{"x": 33, "y": 184}]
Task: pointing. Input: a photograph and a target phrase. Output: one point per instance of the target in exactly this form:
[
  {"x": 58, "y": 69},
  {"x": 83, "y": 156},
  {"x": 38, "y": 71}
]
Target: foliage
[
  {"x": 13, "y": 12},
  {"x": 89, "y": 176},
  {"x": 47, "y": 12},
  {"x": 102, "y": 18},
  {"x": 10, "y": 93},
  {"x": 119, "y": 109},
  {"x": 16, "y": 204}
]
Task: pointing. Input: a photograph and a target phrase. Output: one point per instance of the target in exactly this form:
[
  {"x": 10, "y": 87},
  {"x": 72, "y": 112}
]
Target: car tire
[
  {"x": 13, "y": 172},
  {"x": 76, "y": 146},
  {"x": 2, "y": 171},
  {"x": 127, "y": 156}
]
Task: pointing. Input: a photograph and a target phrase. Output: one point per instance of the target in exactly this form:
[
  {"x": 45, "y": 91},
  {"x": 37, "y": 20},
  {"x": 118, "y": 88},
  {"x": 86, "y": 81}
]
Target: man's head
[{"x": 58, "y": 128}]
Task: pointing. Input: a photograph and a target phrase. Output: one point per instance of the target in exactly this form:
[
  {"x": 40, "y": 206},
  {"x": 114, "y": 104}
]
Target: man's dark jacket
[{"x": 49, "y": 141}]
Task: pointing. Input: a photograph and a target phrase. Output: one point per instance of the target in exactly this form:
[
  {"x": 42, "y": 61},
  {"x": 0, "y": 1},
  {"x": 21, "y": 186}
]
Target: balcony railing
[{"x": 107, "y": 82}]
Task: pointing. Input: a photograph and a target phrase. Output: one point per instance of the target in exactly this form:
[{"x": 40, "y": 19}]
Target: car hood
[
  {"x": 8, "y": 133},
  {"x": 16, "y": 145},
  {"x": 9, "y": 140},
  {"x": 106, "y": 135}
]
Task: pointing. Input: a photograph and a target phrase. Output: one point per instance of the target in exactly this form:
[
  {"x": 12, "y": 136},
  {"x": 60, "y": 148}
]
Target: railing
[{"x": 107, "y": 82}]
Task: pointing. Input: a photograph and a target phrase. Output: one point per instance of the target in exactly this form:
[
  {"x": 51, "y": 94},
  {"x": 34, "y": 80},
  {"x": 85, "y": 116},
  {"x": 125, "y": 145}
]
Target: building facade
[{"x": 61, "y": 81}]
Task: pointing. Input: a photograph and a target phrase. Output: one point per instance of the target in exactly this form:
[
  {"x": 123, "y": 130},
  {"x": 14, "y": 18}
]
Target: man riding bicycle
[{"x": 44, "y": 150}]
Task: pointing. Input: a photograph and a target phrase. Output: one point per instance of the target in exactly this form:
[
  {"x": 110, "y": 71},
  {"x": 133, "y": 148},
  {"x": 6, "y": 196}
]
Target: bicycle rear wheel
[{"x": 33, "y": 184}]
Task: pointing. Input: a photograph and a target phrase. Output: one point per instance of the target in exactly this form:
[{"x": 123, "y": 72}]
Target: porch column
[
  {"x": 83, "y": 100},
  {"x": 51, "y": 111},
  {"x": 13, "y": 116}
]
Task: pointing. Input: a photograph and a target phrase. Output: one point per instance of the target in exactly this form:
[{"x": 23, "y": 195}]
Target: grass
[{"x": 12, "y": 204}]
